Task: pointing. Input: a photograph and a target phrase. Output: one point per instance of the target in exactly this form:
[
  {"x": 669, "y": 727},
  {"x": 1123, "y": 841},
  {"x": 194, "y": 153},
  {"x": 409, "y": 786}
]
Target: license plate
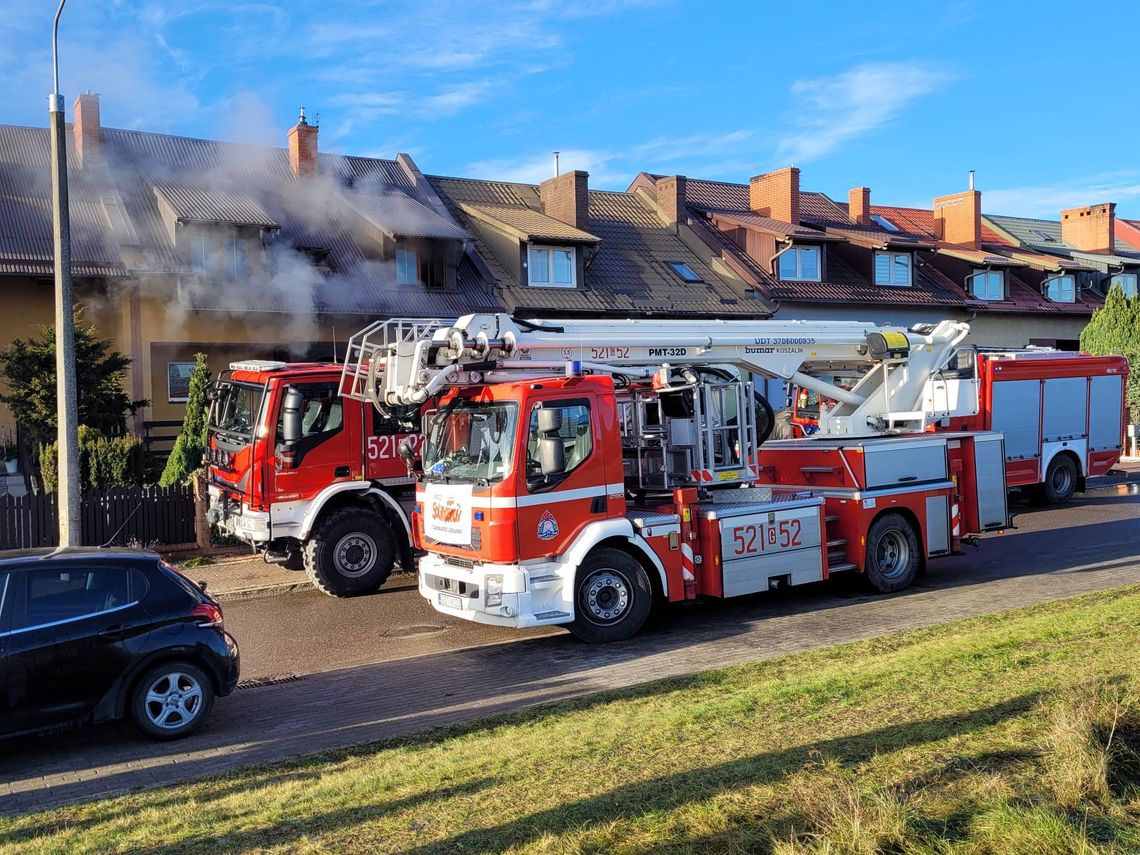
[{"x": 450, "y": 602}]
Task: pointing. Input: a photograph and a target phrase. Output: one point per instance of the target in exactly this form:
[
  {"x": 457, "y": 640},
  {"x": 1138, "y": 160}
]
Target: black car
[{"x": 96, "y": 634}]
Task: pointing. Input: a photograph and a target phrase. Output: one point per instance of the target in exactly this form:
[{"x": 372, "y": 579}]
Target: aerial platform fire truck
[
  {"x": 1062, "y": 414},
  {"x": 578, "y": 472}
]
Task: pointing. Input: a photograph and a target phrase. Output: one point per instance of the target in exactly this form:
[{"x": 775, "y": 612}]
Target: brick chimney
[
  {"x": 303, "y": 148},
  {"x": 86, "y": 129},
  {"x": 776, "y": 195},
  {"x": 1092, "y": 229},
  {"x": 671, "y": 198},
  {"x": 566, "y": 198},
  {"x": 859, "y": 205},
  {"x": 958, "y": 218}
]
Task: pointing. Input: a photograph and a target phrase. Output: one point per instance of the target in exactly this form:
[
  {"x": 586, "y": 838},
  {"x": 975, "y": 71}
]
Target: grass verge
[{"x": 1010, "y": 733}]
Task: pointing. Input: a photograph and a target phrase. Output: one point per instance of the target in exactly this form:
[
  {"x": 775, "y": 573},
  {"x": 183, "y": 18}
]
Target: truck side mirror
[
  {"x": 291, "y": 416},
  {"x": 549, "y": 421},
  {"x": 551, "y": 452}
]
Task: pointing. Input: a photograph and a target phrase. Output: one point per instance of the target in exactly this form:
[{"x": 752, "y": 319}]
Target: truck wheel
[
  {"x": 1060, "y": 480},
  {"x": 892, "y": 554},
  {"x": 350, "y": 553},
  {"x": 612, "y": 597}
]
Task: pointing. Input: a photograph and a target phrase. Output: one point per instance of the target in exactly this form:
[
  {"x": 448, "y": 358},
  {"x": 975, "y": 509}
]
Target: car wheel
[
  {"x": 612, "y": 597},
  {"x": 172, "y": 700},
  {"x": 1060, "y": 480},
  {"x": 892, "y": 558},
  {"x": 350, "y": 553}
]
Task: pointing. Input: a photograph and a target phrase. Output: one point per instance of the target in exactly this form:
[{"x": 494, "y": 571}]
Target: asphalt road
[
  {"x": 367, "y": 676},
  {"x": 306, "y": 632}
]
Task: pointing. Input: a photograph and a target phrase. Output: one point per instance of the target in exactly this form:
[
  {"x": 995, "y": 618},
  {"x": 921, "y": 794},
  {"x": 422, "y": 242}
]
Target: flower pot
[{"x": 11, "y": 466}]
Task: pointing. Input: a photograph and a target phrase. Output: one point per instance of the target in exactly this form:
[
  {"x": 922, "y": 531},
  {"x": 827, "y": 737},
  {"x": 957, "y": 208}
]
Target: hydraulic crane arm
[{"x": 401, "y": 363}]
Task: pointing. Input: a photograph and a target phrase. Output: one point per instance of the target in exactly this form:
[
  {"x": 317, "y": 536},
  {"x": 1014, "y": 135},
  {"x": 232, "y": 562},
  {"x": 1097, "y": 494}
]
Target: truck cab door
[
  {"x": 327, "y": 449},
  {"x": 554, "y": 507},
  {"x": 382, "y": 437}
]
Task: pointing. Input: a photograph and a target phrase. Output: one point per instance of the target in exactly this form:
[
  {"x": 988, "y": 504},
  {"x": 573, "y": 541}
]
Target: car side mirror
[
  {"x": 291, "y": 416},
  {"x": 551, "y": 454}
]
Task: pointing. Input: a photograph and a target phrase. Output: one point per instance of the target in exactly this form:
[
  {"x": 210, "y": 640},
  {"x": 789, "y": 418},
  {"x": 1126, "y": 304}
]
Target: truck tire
[
  {"x": 351, "y": 552},
  {"x": 893, "y": 558},
  {"x": 1060, "y": 480},
  {"x": 612, "y": 597}
]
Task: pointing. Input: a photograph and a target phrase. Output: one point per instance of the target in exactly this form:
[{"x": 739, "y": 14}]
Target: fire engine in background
[
  {"x": 308, "y": 478},
  {"x": 577, "y": 472},
  {"x": 1062, "y": 414}
]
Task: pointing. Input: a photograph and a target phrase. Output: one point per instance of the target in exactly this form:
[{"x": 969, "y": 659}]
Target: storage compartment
[
  {"x": 1065, "y": 408},
  {"x": 1016, "y": 412},
  {"x": 900, "y": 462},
  {"x": 989, "y": 478},
  {"x": 1105, "y": 416}
]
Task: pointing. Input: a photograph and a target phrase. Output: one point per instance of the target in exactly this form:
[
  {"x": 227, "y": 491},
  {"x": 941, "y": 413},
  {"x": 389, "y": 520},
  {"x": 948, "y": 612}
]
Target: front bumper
[
  {"x": 532, "y": 595},
  {"x": 237, "y": 518}
]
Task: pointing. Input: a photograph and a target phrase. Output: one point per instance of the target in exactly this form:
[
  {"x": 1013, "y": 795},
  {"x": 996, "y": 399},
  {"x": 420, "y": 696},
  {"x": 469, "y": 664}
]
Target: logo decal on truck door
[{"x": 547, "y": 526}]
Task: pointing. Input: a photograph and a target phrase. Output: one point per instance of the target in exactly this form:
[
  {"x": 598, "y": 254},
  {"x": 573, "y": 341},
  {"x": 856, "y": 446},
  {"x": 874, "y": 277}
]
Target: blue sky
[{"x": 904, "y": 97}]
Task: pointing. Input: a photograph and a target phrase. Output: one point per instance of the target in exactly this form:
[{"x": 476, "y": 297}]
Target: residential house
[
  {"x": 1087, "y": 236},
  {"x": 562, "y": 249},
  {"x": 182, "y": 245},
  {"x": 818, "y": 258}
]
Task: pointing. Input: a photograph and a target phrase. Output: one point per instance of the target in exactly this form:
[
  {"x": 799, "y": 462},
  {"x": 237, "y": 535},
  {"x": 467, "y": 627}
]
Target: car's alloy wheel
[{"x": 173, "y": 700}]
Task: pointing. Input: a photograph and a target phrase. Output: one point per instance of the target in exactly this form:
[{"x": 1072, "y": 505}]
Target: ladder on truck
[{"x": 367, "y": 350}]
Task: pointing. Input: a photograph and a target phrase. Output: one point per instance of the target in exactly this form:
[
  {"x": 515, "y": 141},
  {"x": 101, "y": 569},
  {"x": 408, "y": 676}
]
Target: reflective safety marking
[
  {"x": 955, "y": 520},
  {"x": 546, "y": 498}
]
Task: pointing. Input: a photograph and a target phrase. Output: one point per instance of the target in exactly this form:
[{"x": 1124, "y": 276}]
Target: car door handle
[{"x": 116, "y": 630}]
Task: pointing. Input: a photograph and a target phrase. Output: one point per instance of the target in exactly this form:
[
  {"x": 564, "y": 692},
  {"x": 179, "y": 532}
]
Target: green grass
[{"x": 1011, "y": 733}]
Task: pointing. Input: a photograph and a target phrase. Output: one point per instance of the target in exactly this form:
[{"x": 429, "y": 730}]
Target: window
[
  {"x": 551, "y": 267},
  {"x": 1061, "y": 289},
  {"x": 684, "y": 271},
  {"x": 885, "y": 223},
  {"x": 575, "y": 432},
  {"x": 321, "y": 412},
  {"x": 1044, "y": 236},
  {"x": 234, "y": 262},
  {"x": 407, "y": 267},
  {"x": 892, "y": 268},
  {"x": 200, "y": 251},
  {"x": 1126, "y": 282},
  {"x": 987, "y": 285},
  {"x": 54, "y": 595},
  {"x": 178, "y": 381},
  {"x": 800, "y": 262}
]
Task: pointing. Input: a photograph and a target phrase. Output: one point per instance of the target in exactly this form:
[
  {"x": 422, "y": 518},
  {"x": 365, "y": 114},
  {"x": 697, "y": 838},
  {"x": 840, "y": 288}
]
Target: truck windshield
[
  {"x": 470, "y": 442},
  {"x": 236, "y": 409}
]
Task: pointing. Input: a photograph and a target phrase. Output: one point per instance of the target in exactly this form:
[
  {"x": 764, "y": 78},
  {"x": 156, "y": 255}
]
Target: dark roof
[
  {"x": 1045, "y": 236},
  {"x": 627, "y": 269},
  {"x": 140, "y": 181}
]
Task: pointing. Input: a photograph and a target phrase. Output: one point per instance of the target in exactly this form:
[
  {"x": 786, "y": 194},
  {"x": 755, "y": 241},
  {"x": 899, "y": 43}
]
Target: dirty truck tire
[
  {"x": 1060, "y": 480},
  {"x": 893, "y": 556},
  {"x": 351, "y": 552},
  {"x": 171, "y": 700},
  {"x": 612, "y": 597}
]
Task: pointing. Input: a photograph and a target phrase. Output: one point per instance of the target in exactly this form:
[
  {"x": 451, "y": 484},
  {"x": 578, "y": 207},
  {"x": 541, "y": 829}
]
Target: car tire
[
  {"x": 612, "y": 597},
  {"x": 892, "y": 557},
  {"x": 1060, "y": 480},
  {"x": 350, "y": 553},
  {"x": 171, "y": 700}
]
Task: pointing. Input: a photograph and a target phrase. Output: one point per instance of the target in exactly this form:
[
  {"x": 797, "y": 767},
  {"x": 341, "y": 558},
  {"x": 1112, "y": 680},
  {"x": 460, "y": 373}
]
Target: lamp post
[{"x": 67, "y": 420}]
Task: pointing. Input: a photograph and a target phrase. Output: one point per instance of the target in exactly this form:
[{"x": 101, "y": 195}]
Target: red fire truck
[
  {"x": 577, "y": 472},
  {"x": 1062, "y": 414},
  {"x": 308, "y": 478}
]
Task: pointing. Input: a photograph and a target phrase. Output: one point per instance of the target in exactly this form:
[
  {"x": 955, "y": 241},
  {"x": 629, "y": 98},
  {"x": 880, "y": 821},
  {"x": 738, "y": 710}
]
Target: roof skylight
[
  {"x": 683, "y": 270},
  {"x": 885, "y": 223}
]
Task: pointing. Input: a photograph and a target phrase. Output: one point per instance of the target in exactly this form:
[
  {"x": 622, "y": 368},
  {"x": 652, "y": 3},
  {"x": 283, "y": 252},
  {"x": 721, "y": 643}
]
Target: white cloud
[
  {"x": 833, "y": 110},
  {"x": 535, "y": 169},
  {"x": 1048, "y": 200}
]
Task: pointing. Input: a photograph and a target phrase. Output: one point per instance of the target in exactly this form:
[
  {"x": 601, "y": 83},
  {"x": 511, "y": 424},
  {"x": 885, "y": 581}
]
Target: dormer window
[
  {"x": 407, "y": 267},
  {"x": 219, "y": 253},
  {"x": 987, "y": 285},
  {"x": 892, "y": 268},
  {"x": 1126, "y": 282},
  {"x": 1061, "y": 289},
  {"x": 800, "y": 264},
  {"x": 551, "y": 267}
]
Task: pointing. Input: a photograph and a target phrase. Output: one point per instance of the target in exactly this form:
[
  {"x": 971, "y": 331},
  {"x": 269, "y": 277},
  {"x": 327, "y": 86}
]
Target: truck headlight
[{"x": 494, "y": 586}]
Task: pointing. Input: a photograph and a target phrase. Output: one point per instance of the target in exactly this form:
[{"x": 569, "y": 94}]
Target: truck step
[
  {"x": 831, "y": 518},
  {"x": 542, "y": 581},
  {"x": 837, "y": 542},
  {"x": 551, "y": 615},
  {"x": 840, "y": 568}
]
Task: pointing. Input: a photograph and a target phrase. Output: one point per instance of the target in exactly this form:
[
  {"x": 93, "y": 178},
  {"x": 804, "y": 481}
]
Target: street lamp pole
[{"x": 67, "y": 419}]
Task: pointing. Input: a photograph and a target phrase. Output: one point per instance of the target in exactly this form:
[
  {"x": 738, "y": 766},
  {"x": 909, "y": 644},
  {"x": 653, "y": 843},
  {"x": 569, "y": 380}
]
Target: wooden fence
[{"x": 143, "y": 515}]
